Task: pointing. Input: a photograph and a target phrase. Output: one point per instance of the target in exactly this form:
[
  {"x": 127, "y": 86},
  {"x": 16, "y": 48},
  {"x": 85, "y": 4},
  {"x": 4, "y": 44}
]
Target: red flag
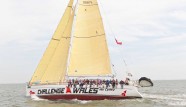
[{"x": 119, "y": 43}]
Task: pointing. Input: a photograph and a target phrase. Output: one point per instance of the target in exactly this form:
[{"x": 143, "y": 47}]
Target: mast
[{"x": 70, "y": 46}]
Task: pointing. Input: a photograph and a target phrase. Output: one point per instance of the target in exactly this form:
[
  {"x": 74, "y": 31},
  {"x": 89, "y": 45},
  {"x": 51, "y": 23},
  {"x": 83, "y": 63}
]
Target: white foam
[
  {"x": 85, "y": 102},
  {"x": 36, "y": 98},
  {"x": 81, "y": 101}
]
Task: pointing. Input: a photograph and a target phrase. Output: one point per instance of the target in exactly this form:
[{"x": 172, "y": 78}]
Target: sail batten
[{"x": 89, "y": 36}]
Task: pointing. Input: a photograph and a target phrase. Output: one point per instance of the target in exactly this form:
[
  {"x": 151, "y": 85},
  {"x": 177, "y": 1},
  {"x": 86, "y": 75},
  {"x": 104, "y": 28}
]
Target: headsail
[
  {"x": 89, "y": 53},
  {"x": 52, "y": 67}
]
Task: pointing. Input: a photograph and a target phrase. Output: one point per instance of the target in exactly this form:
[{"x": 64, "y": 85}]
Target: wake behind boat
[{"x": 78, "y": 50}]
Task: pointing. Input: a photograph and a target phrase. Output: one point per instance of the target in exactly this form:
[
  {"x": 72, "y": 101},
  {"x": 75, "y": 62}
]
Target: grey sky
[{"x": 152, "y": 31}]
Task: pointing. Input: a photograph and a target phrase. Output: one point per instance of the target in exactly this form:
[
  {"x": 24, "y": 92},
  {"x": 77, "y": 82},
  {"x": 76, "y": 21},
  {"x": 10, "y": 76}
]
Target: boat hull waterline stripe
[{"x": 85, "y": 97}]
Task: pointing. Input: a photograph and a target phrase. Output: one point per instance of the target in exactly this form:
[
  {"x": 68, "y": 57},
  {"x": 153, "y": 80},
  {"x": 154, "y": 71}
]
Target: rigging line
[
  {"x": 107, "y": 19},
  {"x": 111, "y": 30},
  {"x": 56, "y": 47},
  {"x": 122, "y": 57},
  {"x": 127, "y": 68},
  {"x": 108, "y": 34},
  {"x": 105, "y": 38},
  {"x": 114, "y": 69}
]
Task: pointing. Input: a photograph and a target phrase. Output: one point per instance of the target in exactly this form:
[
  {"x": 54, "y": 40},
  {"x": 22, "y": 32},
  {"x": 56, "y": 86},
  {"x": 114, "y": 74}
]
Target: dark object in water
[{"x": 145, "y": 82}]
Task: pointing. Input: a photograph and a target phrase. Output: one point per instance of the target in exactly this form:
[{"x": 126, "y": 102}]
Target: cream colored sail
[
  {"x": 89, "y": 53},
  {"x": 52, "y": 67}
]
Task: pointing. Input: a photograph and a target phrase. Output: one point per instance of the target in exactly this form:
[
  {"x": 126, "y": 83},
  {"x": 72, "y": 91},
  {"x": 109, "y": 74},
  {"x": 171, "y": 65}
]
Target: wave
[
  {"x": 171, "y": 97},
  {"x": 177, "y": 103},
  {"x": 171, "y": 100},
  {"x": 178, "y": 99},
  {"x": 36, "y": 98}
]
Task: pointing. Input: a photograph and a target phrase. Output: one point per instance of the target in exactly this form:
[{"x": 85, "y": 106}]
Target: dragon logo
[
  {"x": 68, "y": 90},
  {"x": 124, "y": 93},
  {"x": 31, "y": 92}
]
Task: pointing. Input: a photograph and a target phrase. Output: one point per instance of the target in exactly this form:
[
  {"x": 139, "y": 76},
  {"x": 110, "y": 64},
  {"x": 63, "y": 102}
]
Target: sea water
[{"x": 162, "y": 94}]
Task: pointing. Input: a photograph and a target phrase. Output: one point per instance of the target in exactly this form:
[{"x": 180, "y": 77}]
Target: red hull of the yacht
[{"x": 85, "y": 97}]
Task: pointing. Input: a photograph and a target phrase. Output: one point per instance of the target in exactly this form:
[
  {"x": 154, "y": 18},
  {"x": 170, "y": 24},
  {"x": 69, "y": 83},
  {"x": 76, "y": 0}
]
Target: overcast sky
[{"x": 153, "y": 33}]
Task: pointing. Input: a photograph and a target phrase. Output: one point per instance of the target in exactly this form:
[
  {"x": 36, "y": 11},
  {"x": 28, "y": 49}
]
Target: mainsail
[
  {"x": 52, "y": 67},
  {"x": 89, "y": 54},
  {"x": 82, "y": 51}
]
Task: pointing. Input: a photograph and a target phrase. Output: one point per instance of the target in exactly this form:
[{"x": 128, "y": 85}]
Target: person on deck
[
  {"x": 69, "y": 83},
  {"x": 107, "y": 83},
  {"x": 91, "y": 83},
  {"x": 121, "y": 83},
  {"x": 116, "y": 83},
  {"x": 97, "y": 82},
  {"x": 113, "y": 84},
  {"x": 73, "y": 82},
  {"x": 81, "y": 84},
  {"x": 110, "y": 82},
  {"x": 76, "y": 83},
  {"x": 127, "y": 81}
]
